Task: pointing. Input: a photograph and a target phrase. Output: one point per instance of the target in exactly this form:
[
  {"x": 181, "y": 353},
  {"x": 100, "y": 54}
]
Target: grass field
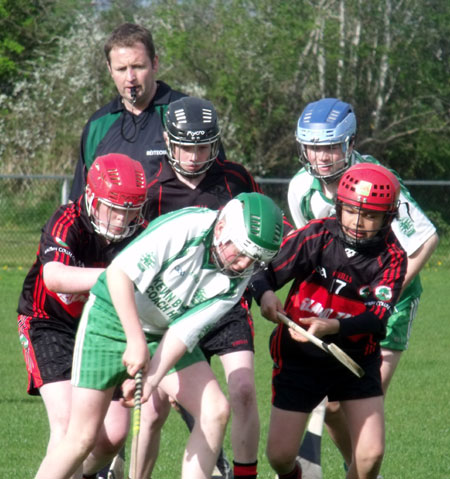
[{"x": 416, "y": 407}]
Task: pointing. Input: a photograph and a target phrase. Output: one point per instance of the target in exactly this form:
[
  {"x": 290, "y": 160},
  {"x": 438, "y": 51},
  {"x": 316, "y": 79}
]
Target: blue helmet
[{"x": 327, "y": 121}]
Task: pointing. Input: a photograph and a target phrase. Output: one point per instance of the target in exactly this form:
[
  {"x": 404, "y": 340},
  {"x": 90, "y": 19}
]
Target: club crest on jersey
[
  {"x": 146, "y": 261},
  {"x": 364, "y": 291},
  {"x": 61, "y": 242},
  {"x": 383, "y": 293},
  {"x": 322, "y": 271},
  {"x": 350, "y": 252}
]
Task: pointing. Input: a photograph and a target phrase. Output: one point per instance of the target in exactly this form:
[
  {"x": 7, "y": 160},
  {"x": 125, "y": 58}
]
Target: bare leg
[
  {"x": 89, "y": 408},
  {"x": 334, "y": 418},
  {"x": 365, "y": 418},
  {"x": 111, "y": 438},
  {"x": 57, "y": 399},
  {"x": 285, "y": 433},
  {"x": 338, "y": 430},
  {"x": 389, "y": 364},
  {"x": 154, "y": 413},
  {"x": 239, "y": 372},
  {"x": 198, "y": 391}
]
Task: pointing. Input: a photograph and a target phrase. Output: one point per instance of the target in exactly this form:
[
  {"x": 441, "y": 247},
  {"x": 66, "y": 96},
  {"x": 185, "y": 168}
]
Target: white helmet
[{"x": 254, "y": 224}]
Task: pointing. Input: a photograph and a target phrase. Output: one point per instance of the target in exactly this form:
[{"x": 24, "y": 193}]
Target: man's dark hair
[{"x": 127, "y": 35}]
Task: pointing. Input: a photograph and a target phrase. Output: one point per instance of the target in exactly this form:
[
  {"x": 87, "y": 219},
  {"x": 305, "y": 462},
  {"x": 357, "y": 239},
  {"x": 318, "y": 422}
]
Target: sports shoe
[
  {"x": 224, "y": 466},
  {"x": 117, "y": 467},
  {"x": 222, "y": 469}
]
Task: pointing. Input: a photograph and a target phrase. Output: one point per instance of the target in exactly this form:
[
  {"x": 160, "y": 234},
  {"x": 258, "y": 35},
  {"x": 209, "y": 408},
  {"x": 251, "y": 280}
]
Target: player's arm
[
  {"x": 121, "y": 290},
  {"x": 62, "y": 278},
  {"x": 168, "y": 353},
  {"x": 419, "y": 258},
  {"x": 270, "y": 305},
  {"x": 288, "y": 264}
]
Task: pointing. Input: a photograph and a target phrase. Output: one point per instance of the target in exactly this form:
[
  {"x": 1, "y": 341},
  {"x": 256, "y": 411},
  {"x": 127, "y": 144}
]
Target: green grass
[{"x": 416, "y": 406}]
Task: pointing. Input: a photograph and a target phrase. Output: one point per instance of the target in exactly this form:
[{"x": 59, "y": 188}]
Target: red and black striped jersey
[
  {"x": 69, "y": 238},
  {"x": 332, "y": 280},
  {"x": 222, "y": 182}
]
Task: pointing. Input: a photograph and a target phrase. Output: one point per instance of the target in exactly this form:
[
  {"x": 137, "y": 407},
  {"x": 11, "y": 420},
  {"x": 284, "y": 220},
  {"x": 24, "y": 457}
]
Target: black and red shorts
[
  {"x": 47, "y": 348},
  {"x": 303, "y": 375},
  {"x": 234, "y": 332}
]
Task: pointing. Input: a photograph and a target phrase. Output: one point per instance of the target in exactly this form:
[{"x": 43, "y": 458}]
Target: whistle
[{"x": 133, "y": 94}]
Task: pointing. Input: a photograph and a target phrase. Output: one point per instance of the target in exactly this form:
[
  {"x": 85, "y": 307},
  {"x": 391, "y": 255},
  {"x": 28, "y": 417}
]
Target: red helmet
[
  {"x": 369, "y": 186},
  {"x": 118, "y": 182}
]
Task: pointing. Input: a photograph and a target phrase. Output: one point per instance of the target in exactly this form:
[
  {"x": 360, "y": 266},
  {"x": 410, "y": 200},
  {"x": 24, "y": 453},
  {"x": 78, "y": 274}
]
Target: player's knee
[
  {"x": 58, "y": 431},
  {"x": 279, "y": 458},
  {"x": 243, "y": 393},
  {"x": 153, "y": 416},
  {"x": 110, "y": 443},
  {"x": 83, "y": 444},
  {"x": 218, "y": 415},
  {"x": 370, "y": 458},
  {"x": 223, "y": 412}
]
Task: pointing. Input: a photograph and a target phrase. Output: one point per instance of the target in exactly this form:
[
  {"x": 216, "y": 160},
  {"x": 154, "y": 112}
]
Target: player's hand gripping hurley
[
  {"x": 136, "y": 422},
  {"x": 331, "y": 348}
]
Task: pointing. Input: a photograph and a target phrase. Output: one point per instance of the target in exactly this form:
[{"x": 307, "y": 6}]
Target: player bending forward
[
  {"x": 148, "y": 311},
  {"x": 347, "y": 274}
]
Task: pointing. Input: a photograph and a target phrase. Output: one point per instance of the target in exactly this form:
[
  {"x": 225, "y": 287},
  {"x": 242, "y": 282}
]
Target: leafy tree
[
  {"x": 260, "y": 62},
  {"x": 47, "y": 109},
  {"x": 29, "y": 32}
]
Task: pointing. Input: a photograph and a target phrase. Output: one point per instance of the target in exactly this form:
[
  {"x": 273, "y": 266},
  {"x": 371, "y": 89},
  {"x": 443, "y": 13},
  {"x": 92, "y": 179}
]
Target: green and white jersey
[
  {"x": 307, "y": 202},
  {"x": 176, "y": 284}
]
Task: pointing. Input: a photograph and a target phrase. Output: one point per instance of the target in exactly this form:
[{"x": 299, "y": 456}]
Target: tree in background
[
  {"x": 29, "y": 31},
  {"x": 260, "y": 62},
  {"x": 46, "y": 110}
]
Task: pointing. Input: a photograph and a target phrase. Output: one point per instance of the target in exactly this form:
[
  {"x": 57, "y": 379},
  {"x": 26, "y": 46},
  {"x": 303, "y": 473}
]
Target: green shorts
[
  {"x": 99, "y": 347},
  {"x": 398, "y": 329}
]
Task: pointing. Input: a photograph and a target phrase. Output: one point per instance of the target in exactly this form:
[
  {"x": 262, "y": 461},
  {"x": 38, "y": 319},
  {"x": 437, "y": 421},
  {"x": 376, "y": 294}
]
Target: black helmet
[{"x": 191, "y": 122}]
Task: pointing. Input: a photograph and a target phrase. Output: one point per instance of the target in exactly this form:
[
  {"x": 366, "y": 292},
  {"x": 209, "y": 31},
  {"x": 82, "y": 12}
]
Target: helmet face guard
[
  {"x": 118, "y": 183},
  {"x": 192, "y": 122},
  {"x": 368, "y": 188},
  {"x": 254, "y": 224},
  {"x": 107, "y": 226},
  {"x": 327, "y": 122}
]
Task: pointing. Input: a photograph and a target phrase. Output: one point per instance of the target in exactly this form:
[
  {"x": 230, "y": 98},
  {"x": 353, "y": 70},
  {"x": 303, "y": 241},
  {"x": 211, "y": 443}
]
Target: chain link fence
[{"x": 26, "y": 203}]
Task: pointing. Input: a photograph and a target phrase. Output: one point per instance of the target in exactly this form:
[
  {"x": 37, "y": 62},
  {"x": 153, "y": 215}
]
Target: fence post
[{"x": 65, "y": 192}]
